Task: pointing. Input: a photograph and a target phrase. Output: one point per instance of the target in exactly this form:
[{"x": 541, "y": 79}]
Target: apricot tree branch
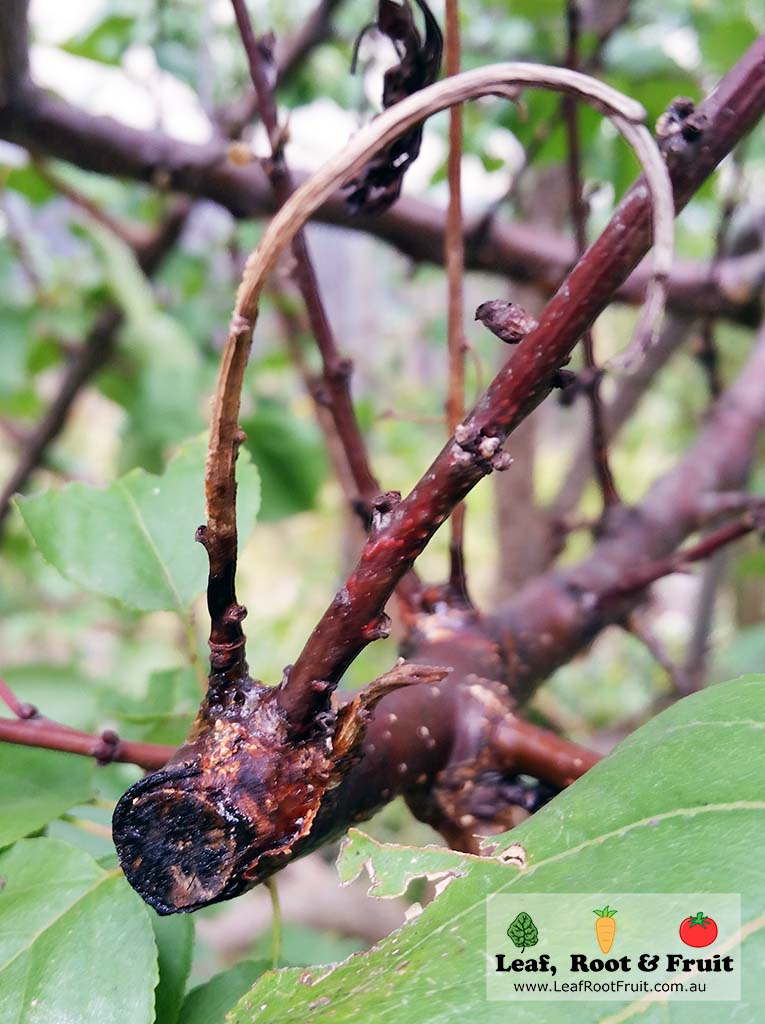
[
  {"x": 107, "y": 747},
  {"x": 599, "y": 439},
  {"x": 353, "y": 617},
  {"x": 454, "y": 259},
  {"x": 644, "y": 575},
  {"x": 46, "y": 125},
  {"x": 629, "y": 391},
  {"x": 336, "y": 370},
  {"x": 14, "y": 49}
]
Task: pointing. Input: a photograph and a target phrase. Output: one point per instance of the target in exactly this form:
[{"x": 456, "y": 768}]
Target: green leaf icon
[{"x": 523, "y": 932}]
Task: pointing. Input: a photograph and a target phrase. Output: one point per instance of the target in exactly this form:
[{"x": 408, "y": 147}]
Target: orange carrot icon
[{"x": 605, "y": 928}]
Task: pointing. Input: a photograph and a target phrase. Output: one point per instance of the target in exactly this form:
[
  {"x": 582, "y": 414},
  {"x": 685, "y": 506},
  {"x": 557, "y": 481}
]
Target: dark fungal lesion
[
  {"x": 229, "y": 808},
  {"x": 253, "y": 787},
  {"x": 379, "y": 184}
]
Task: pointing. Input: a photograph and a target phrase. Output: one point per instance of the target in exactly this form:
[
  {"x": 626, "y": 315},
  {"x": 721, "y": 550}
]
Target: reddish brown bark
[
  {"x": 46, "y": 125},
  {"x": 355, "y": 616}
]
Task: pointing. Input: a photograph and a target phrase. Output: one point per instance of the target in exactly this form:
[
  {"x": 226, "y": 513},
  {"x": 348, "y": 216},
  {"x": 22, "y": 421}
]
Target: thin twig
[
  {"x": 600, "y": 458},
  {"x": 696, "y": 657},
  {"x": 707, "y": 352},
  {"x": 20, "y": 708},
  {"x": 94, "y": 827},
  {"x": 19, "y": 243},
  {"x": 336, "y": 370},
  {"x": 291, "y": 56},
  {"x": 591, "y": 64},
  {"x": 643, "y": 576},
  {"x": 134, "y": 235},
  {"x": 712, "y": 507},
  {"x": 454, "y": 257},
  {"x": 40, "y": 732},
  {"x": 629, "y": 391},
  {"x": 353, "y": 618},
  {"x": 276, "y": 922},
  {"x": 640, "y": 628},
  {"x": 285, "y": 226},
  {"x": 295, "y": 326}
]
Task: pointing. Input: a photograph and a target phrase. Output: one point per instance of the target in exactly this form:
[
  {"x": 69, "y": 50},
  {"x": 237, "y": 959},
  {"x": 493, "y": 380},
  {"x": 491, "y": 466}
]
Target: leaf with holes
[
  {"x": 391, "y": 868},
  {"x": 659, "y": 814},
  {"x": 134, "y": 540}
]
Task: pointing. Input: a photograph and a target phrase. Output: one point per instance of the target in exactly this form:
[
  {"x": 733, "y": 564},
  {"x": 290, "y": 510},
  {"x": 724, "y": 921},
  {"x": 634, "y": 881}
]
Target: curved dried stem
[{"x": 498, "y": 79}]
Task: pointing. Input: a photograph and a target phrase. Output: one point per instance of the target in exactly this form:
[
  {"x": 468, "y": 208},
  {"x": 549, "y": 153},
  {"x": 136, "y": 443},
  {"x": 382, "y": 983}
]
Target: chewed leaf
[
  {"x": 134, "y": 540},
  {"x": 391, "y": 868}
]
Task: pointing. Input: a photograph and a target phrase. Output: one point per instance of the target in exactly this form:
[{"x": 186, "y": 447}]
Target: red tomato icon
[{"x": 698, "y": 931}]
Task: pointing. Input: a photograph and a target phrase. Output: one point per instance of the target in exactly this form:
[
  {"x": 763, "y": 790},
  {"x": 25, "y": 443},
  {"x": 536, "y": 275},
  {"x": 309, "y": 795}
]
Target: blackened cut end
[{"x": 176, "y": 846}]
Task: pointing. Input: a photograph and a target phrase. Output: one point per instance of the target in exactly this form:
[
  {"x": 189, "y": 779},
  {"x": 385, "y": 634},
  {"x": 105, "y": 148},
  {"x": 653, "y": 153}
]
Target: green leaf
[
  {"x": 534, "y": 9},
  {"x": 104, "y": 42},
  {"x": 174, "y": 937},
  {"x": 523, "y": 932},
  {"x": 38, "y": 786},
  {"x": 29, "y": 183},
  {"x": 16, "y": 326},
  {"x": 390, "y": 873},
  {"x": 301, "y": 945},
  {"x": 723, "y": 36},
  {"x": 76, "y": 943},
  {"x": 134, "y": 540},
  {"x": 675, "y": 808},
  {"x": 209, "y": 1003},
  {"x": 165, "y": 404},
  {"x": 165, "y": 713},
  {"x": 290, "y": 459}
]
